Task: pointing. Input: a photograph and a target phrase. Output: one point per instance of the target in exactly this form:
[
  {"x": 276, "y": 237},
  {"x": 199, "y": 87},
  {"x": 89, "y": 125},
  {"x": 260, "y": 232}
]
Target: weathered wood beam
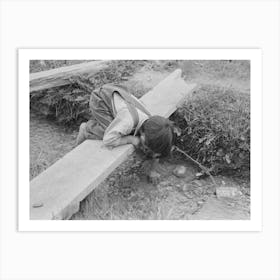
[
  {"x": 60, "y": 76},
  {"x": 58, "y": 191}
]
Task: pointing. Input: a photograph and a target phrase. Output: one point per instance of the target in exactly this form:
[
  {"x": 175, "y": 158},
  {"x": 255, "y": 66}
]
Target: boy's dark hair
[{"x": 158, "y": 135}]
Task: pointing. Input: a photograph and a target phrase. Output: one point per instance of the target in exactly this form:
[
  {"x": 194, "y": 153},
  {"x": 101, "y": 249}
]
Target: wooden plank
[
  {"x": 60, "y": 188},
  {"x": 168, "y": 95},
  {"x": 60, "y": 76}
]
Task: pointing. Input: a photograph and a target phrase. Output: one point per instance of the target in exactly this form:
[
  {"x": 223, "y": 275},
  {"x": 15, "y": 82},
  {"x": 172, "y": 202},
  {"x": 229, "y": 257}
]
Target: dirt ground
[{"x": 126, "y": 193}]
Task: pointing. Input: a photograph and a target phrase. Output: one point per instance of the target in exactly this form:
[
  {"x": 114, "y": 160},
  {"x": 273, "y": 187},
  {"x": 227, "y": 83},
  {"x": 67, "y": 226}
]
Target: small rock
[
  {"x": 180, "y": 171},
  {"x": 201, "y": 175},
  {"x": 228, "y": 192},
  {"x": 37, "y": 205}
]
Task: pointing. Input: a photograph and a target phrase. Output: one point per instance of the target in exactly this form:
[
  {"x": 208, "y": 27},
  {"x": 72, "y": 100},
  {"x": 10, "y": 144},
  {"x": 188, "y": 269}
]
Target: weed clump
[
  {"x": 68, "y": 105},
  {"x": 214, "y": 129}
]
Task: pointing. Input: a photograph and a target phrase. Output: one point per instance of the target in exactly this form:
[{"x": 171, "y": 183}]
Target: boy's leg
[
  {"x": 89, "y": 130},
  {"x": 101, "y": 118}
]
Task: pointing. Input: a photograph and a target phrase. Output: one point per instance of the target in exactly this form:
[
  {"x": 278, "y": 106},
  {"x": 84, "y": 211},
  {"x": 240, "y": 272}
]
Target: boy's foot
[{"x": 81, "y": 135}]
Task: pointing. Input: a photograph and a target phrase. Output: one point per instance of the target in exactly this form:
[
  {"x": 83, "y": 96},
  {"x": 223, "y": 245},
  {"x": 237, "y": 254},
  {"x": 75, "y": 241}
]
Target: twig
[{"x": 199, "y": 164}]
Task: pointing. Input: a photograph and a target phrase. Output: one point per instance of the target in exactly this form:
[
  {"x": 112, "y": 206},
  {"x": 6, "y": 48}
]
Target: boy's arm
[
  {"x": 134, "y": 140},
  {"x": 119, "y": 130},
  {"x": 129, "y": 139}
]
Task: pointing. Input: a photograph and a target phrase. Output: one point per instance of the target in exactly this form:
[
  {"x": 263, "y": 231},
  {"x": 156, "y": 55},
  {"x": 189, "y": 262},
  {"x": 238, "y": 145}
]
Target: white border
[{"x": 254, "y": 55}]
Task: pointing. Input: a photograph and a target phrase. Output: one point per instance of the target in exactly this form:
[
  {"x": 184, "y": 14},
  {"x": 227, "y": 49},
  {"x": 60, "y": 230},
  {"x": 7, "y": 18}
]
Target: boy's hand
[{"x": 135, "y": 141}]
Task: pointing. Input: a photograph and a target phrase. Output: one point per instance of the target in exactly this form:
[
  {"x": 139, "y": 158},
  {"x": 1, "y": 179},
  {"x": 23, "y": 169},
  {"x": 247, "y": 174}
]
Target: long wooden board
[
  {"x": 59, "y": 189},
  {"x": 60, "y": 76}
]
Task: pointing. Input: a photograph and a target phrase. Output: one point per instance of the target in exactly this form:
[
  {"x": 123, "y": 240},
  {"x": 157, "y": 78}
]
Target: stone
[
  {"x": 228, "y": 192},
  {"x": 180, "y": 171}
]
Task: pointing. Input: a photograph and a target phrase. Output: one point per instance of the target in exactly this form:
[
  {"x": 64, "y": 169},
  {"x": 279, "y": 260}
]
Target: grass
[{"x": 215, "y": 129}]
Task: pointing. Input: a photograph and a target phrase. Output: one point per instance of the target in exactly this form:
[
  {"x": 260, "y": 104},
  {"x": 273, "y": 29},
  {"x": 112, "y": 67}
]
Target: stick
[{"x": 195, "y": 161}]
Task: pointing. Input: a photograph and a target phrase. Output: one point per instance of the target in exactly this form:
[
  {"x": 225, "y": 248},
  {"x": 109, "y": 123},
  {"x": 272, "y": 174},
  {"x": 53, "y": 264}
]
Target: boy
[{"x": 119, "y": 118}]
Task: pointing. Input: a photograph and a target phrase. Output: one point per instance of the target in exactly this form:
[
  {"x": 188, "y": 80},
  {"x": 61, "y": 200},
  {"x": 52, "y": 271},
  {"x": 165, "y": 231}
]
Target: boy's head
[{"x": 156, "y": 135}]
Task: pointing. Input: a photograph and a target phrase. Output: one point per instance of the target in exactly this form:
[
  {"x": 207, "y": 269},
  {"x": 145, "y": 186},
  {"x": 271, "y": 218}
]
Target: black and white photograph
[{"x": 140, "y": 139}]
